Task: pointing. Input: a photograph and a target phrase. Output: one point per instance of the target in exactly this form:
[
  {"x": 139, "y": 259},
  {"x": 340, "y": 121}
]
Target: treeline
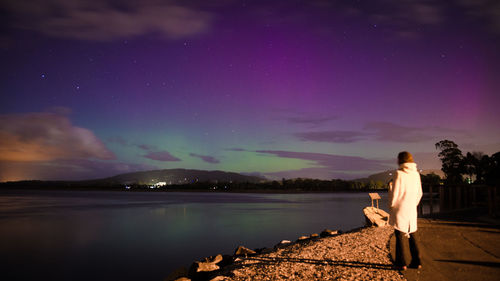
[
  {"x": 285, "y": 185},
  {"x": 475, "y": 167}
]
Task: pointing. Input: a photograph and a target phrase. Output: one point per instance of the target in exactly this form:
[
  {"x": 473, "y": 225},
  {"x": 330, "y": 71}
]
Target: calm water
[{"x": 77, "y": 235}]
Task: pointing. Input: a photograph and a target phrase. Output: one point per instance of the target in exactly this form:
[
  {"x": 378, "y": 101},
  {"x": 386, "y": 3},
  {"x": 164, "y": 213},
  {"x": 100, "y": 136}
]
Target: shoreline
[
  {"x": 359, "y": 254},
  {"x": 262, "y": 191},
  {"x": 454, "y": 248}
]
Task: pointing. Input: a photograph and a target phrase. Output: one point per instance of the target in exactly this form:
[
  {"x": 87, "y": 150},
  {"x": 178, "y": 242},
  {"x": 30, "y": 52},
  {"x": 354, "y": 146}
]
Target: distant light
[{"x": 43, "y": 75}]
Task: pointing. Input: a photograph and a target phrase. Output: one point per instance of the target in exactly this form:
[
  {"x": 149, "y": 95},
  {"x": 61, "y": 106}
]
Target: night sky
[{"x": 316, "y": 89}]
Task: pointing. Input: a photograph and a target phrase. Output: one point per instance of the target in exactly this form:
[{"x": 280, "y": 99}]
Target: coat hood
[{"x": 408, "y": 167}]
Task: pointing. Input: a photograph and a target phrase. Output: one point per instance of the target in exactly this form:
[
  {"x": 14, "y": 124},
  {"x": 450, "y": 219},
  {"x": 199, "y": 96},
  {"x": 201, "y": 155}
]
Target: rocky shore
[{"x": 362, "y": 254}]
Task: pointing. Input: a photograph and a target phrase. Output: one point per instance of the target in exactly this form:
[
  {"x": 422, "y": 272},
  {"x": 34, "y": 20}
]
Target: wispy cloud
[
  {"x": 146, "y": 147},
  {"x": 47, "y": 136},
  {"x": 206, "y": 158},
  {"x": 332, "y": 161},
  {"x": 310, "y": 120},
  {"x": 119, "y": 140},
  {"x": 381, "y": 131},
  {"x": 385, "y": 131},
  {"x": 328, "y": 166},
  {"x": 489, "y": 10},
  {"x": 332, "y": 136},
  {"x": 122, "y": 141},
  {"x": 68, "y": 169},
  {"x": 108, "y": 20},
  {"x": 163, "y": 155},
  {"x": 236, "y": 149}
]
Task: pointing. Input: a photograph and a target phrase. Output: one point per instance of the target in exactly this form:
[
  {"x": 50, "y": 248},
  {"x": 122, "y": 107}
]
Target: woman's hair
[{"x": 405, "y": 157}]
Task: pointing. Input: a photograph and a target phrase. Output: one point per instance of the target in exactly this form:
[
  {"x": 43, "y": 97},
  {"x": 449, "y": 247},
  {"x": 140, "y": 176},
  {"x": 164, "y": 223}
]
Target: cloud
[
  {"x": 313, "y": 121},
  {"x": 489, "y": 10},
  {"x": 72, "y": 169},
  {"x": 46, "y": 137},
  {"x": 146, "y": 147},
  {"x": 119, "y": 140},
  {"x": 381, "y": 131},
  {"x": 122, "y": 141},
  {"x": 332, "y": 136},
  {"x": 332, "y": 161},
  {"x": 385, "y": 131},
  {"x": 208, "y": 159},
  {"x": 161, "y": 156},
  {"x": 236, "y": 149},
  {"x": 107, "y": 20}
]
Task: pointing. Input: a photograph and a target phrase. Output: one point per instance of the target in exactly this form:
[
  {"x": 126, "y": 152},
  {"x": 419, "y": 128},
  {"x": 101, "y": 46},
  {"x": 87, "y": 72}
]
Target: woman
[{"x": 405, "y": 193}]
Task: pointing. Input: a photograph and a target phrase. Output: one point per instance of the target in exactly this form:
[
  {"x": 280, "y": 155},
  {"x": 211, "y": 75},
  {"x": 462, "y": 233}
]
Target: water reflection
[{"x": 143, "y": 236}]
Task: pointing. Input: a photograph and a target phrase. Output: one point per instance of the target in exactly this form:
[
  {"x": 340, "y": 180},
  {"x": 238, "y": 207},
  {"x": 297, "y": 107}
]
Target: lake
[{"x": 100, "y": 235}]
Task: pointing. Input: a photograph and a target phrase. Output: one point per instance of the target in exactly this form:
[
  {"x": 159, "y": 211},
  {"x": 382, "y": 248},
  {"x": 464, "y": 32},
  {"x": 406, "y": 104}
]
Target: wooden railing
[{"x": 459, "y": 197}]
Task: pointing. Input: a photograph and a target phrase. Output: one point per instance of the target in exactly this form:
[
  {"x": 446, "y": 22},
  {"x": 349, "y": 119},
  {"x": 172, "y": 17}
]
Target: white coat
[{"x": 404, "y": 195}]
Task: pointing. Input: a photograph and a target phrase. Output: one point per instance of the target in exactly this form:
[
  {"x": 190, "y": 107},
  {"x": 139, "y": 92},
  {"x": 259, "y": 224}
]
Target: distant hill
[
  {"x": 180, "y": 176},
  {"x": 387, "y": 175}
]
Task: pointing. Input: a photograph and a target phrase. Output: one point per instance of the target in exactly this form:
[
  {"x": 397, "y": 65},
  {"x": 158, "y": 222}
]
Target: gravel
[{"x": 359, "y": 255}]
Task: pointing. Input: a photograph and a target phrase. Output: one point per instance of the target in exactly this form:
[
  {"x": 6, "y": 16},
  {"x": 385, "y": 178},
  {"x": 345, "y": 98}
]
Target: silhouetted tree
[
  {"x": 492, "y": 174},
  {"x": 452, "y": 160},
  {"x": 469, "y": 165},
  {"x": 430, "y": 179}
]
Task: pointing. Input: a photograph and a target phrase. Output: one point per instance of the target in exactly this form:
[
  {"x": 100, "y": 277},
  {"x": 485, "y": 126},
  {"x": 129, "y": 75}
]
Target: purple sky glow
[{"x": 316, "y": 89}]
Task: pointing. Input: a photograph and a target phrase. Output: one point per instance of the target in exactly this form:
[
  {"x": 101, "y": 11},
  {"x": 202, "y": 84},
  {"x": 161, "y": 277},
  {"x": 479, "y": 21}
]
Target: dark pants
[{"x": 407, "y": 252}]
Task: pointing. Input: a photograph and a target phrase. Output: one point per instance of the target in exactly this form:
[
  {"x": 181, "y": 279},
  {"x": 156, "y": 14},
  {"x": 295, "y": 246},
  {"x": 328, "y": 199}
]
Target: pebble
[{"x": 359, "y": 255}]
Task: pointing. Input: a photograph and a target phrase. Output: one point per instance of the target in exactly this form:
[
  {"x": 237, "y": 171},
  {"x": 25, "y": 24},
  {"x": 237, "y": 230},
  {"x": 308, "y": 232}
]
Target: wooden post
[
  {"x": 430, "y": 200},
  {"x": 474, "y": 196},
  {"x": 451, "y": 193},
  {"x": 441, "y": 198},
  {"x": 492, "y": 201},
  {"x": 469, "y": 196},
  {"x": 374, "y": 196}
]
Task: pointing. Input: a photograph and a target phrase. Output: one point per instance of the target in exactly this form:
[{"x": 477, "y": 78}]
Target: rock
[
  {"x": 205, "y": 266},
  {"x": 201, "y": 270},
  {"x": 328, "y": 232},
  {"x": 182, "y": 279},
  {"x": 303, "y": 238},
  {"x": 218, "y": 278},
  {"x": 226, "y": 260},
  {"x": 314, "y": 236},
  {"x": 285, "y": 242},
  {"x": 240, "y": 251},
  {"x": 263, "y": 250},
  {"x": 376, "y": 217},
  {"x": 215, "y": 259}
]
